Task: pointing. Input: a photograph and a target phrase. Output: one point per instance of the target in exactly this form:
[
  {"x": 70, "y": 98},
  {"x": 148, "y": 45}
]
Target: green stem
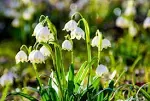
[{"x": 99, "y": 46}]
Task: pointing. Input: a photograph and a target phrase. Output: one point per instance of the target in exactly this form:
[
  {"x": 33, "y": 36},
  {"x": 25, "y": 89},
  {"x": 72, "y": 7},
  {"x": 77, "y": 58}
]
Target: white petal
[
  {"x": 122, "y": 22},
  {"x": 70, "y": 25},
  {"x": 21, "y": 56},
  {"x": 95, "y": 41},
  {"x": 44, "y": 51},
  {"x": 43, "y": 35},
  {"x": 37, "y": 28},
  {"x": 66, "y": 45},
  {"x": 106, "y": 43},
  {"x": 101, "y": 69}
]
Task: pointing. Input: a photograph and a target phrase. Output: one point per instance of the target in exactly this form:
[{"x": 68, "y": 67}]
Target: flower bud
[
  {"x": 77, "y": 33},
  {"x": 45, "y": 51},
  {"x": 146, "y": 23},
  {"x": 133, "y": 30},
  {"x": 66, "y": 45},
  {"x": 21, "y": 56},
  {"x": 43, "y": 35},
  {"x": 70, "y": 25},
  {"x": 101, "y": 69},
  {"x": 36, "y": 57}
]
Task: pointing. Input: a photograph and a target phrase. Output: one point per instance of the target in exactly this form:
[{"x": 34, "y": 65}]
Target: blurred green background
[{"x": 19, "y": 17}]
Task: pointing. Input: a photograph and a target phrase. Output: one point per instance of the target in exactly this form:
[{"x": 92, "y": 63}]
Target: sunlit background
[{"x": 130, "y": 45}]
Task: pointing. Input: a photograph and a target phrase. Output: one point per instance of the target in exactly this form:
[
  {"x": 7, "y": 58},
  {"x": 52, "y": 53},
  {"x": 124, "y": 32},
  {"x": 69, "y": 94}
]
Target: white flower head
[
  {"x": 37, "y": 28},
  {"x": 45, "y": 51},
  {"x": 66, "y": 45},
  {"x": 43, "y": 34},
  {"x": 77, "y": 33},
  {"x": 122, "y": 22},
  {"x": 21, "y": 56},
  {"x": 105, "y": 43},
  {"x": 95, "y": 41},
  {"x": 146, "y": 23},
  {"x": 36, "y": 57},
  {"x": 7, "y": 78},
  {"x": 101, "y": 69},
  {"x": 70, "y": 25}
]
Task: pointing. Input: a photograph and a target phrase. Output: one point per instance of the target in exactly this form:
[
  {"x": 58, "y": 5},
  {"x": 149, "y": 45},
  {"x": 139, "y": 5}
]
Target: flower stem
[{"x": 99, "y": 46}]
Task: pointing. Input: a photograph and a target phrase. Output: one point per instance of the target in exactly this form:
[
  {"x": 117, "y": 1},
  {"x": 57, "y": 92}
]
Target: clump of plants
[{"x": 88, "y": 83}]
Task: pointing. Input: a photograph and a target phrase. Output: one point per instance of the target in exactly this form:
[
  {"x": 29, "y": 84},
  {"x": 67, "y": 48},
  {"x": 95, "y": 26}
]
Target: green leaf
[
  {"x": 51, "y": 26},
  {"x": 80, "y": 71},
  {"x": 53, "y": 94},
  {"x": 71, "y": 80},
  {"x": 24, "y": 95}
]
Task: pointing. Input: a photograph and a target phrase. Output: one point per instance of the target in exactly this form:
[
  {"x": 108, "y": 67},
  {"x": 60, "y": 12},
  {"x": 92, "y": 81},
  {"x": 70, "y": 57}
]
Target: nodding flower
[
  {"x": 45, "y": 51},
  {"x": 21, "y": 56},
  {"x": 36, "y": 57},
  {"x": 43, "y": 35},
  {"x": 77, "y": 33},
  {"x": 101, "y": 69},
  {"x": 70, "y": 25},
  {"x": 67, "y": 45}
]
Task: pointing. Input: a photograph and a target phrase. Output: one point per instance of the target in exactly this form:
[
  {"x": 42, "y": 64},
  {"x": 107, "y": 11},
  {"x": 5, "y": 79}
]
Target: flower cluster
[
  {"x": 42, "y": 34},
  {"x": 76, "y": 32}
]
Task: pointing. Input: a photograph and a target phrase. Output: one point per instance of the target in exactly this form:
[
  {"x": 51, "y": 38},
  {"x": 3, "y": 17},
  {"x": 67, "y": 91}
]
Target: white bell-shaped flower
[
  {"x": 146, "y": 23},
  {"x": 105, "y": 43},
  {"x": 101, "y": 69},
  {"x": 7, "y": 78},
  {"x": 70, "y": 25},
  {"x": 37, "y": 28},
  {"x": 21, "y": 56},
  {"x": 45, "y": 51},
  {"x": 43, "y": 35},
  {"x": 122, "y": 22},
  {"x": 66, "y": 45},
  {"x": 77, "y": 33},
  {"x": 95, "y": 41},
  {"x": 36, "y": 57}
]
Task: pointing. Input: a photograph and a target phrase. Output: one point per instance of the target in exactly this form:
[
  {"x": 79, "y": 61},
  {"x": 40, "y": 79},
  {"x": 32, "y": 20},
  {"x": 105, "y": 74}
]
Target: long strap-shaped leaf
[{"x": 24, "y": 95}]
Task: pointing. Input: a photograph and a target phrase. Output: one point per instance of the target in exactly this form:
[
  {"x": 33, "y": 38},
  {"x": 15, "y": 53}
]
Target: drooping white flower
[
  {"x": 146, "y": 23},
  {"x": 36, "y": 57},
  {"x": 113, "y": 75},
  {"x": 70, "y": 25},
  {"x": 45, "y": 51},
  {"x": 37, "y": 28},
  {"x": 101, "y": 69},
  {"x": 95, "y": 41},
  {"x": 77, "y": 33},
  {"x": 66, "y": 45},
  {"x": 122, "y": 22},
  {"x": 105, "y": 43},
  {"x": 21, "y": 56},
  {"x": 43, "y": 35},
  {"x": 7, "y": 78}
]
